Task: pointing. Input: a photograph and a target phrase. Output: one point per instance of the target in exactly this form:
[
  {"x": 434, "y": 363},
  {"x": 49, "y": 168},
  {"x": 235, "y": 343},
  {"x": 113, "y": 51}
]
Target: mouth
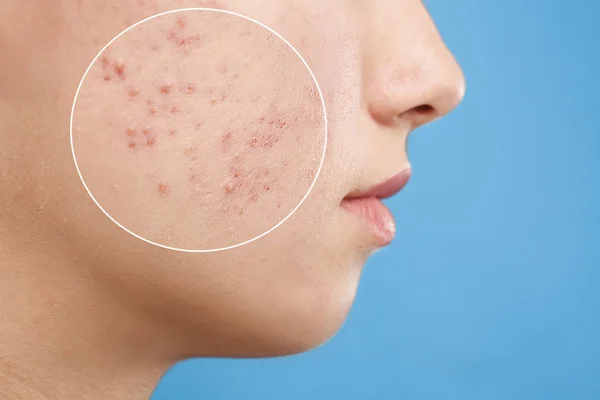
[{"x": 375, "y": 215}]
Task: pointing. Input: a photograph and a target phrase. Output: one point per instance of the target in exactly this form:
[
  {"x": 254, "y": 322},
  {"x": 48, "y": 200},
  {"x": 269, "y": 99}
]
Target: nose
[{"x": 410, "y": 75}]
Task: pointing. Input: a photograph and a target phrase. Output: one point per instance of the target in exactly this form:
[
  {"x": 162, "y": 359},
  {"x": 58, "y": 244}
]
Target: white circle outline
[{"x": 202, "y": 250}]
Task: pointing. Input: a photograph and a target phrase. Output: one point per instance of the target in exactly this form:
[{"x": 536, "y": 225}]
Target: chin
[{"x": 300, "y": 320}]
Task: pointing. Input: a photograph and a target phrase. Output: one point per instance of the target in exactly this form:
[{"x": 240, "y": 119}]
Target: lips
[{"x": 367, "y": 205}]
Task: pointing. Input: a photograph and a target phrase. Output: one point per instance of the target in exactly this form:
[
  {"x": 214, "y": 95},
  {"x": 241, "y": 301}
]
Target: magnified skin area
[{"x": 198, "y": 129}]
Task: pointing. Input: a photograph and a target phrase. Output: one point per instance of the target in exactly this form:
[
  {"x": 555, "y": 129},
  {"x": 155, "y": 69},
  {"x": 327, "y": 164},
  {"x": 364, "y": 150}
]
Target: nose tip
[{"x": 417, "y": 92}]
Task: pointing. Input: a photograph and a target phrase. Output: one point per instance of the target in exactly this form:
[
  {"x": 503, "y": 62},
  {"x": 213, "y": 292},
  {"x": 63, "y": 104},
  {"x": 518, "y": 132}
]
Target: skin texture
[
  {"x": 88, "y": 311},
  {"x": 181, "y": 139}
]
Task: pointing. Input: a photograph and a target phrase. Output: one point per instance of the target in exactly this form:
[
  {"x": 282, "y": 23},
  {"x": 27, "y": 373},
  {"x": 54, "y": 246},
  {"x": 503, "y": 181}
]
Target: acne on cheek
[{"x": 165, "y": 115}]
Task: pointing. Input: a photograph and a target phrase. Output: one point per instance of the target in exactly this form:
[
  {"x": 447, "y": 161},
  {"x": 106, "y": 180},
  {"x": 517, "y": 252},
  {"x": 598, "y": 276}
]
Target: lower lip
[{"x": 376, "y": 216}]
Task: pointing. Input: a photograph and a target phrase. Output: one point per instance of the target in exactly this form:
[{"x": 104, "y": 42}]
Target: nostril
[{"x": 424, "y": 109}]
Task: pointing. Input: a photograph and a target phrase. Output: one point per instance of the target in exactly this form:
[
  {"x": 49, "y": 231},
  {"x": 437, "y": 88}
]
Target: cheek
[{"x": 198, "y": 130}]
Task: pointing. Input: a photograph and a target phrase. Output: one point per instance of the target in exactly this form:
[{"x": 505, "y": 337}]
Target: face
[{"x": 146, "y": 122}]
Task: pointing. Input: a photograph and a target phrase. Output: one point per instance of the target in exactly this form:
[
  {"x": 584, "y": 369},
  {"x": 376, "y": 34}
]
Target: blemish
[
  {"x": 151, "y": 140},
  {"x": 229, "y": 187},
  {"x": 181, "y": 22},
  {"x": 107, "y": 77},
  {"x": 165, "y": 89},
  {"x": 190, "y": 88},
  {"x": 120, "y": 69},
  {"x": 172, "y": 132},
  {"x": 174, "y": 110},
  {"x": 132, "y": 93},
  {"x": 132, "y": 145},
  {"x": 151, "y": 107},
  {"x": 226, "y": 141},
  {"x": 222, "y": 69},
  {"x": 105, "y": 62},
  {"x": 267, "y": 188},
  {"x": 146, "y": 131},
  {"x": 130, "y": 132},
  {"x": 163, "y": 188}
]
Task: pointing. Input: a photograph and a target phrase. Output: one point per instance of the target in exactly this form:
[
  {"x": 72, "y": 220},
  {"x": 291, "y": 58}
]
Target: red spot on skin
[
  {"x": 189, "y": 89},
  {"x": 132, "y": 145},
  {"x": 286, "y": 163},
  {"x": 151, "y": 107},
  {"x": 226, "y": 141},
  {"x": 132, "y": 93},
  {"x": 146, "y": 131},
  {"x": 163, "y": 188},
  {"x": 267, "y": 188},
  {"x": 105, "y": 62},
  {"x": 107, "y": 77},
  {"x": 130, "y": 132},
  {"x": 120, "y": 70},
  {"x": 181, "y": 22},
  {"x": 230, "y": 187},
  {"x": 165, "y": 89},
  {"x": 278, "y": 205},
  {"x": 174, "y": 110},
  {"x": 172, "y": 132},
  {"x": 151, "y": 140}
]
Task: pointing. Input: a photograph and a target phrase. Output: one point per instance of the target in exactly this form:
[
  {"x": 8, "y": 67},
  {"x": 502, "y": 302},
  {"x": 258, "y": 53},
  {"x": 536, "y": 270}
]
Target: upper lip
[{"x": 385, "y": 189}]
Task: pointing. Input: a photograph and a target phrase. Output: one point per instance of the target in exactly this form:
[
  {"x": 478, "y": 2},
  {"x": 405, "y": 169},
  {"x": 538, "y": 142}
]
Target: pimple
[
  {"x": 174, "y": 110},
  {"x": 172, "y": 132},
  {"x": 120, "y": 69},
  {"x": 189, "y": 89},
  {"x": 165, "y": 89},
  {"x": 107, "y": 77},
  {"x": 229, "y": 187},
  {"x": 132, "y": 145},
  {"x": 146, "y": 131},
  {"x": 151, "y": 140},
  {"x": 181, "y": 22},
  {"x": 226, "y": 141},
  {"x": 151, "y": 107},
  {"x": 132, "y": 93},
  {"x": 163, "y": 188},
  {"x": 130, "y": 132}
]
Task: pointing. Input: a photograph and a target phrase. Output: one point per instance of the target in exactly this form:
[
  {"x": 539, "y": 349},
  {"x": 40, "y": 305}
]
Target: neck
[{"x": 61, "y": 336}]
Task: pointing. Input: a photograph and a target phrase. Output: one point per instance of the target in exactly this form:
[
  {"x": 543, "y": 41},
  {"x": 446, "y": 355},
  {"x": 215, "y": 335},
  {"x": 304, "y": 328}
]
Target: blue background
[{"x": 493, "y": 289}]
